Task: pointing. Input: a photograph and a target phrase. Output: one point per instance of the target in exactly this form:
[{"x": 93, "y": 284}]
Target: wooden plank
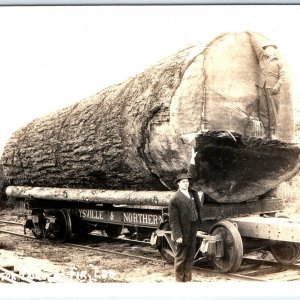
[
  {"x": 279, "y": 229},
  {"x": 213, "y": 211}
]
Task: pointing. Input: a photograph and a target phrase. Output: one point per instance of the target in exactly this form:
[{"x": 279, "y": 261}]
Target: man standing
[
  {"x": 184, "y": 218},
  {"x": 271, "y": 76}
]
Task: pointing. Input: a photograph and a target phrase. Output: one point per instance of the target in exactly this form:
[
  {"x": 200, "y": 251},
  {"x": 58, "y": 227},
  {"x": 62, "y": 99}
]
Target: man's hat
[
  {"x": 264, "y": 46},
  {"x": 182, "y": 176}
]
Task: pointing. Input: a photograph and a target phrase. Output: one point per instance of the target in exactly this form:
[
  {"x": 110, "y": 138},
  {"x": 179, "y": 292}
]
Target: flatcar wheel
[
  {"x": 232, "y": 253},
  {"x": 287, "y": 253},
  {"x": 166, "y": 250},
  {"x": 166, "y": 246},
  {"x": 113, "y": 231},
  {"x": 63, "y": 226}
]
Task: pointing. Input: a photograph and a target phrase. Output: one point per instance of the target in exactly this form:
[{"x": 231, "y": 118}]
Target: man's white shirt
[{"x": 185, "y": 192}]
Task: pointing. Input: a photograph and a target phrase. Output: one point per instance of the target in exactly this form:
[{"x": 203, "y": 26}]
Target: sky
[{"x": 54, "y": 56}]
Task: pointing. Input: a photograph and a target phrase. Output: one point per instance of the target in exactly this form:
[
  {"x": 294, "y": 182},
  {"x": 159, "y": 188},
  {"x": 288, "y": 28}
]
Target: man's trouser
[
  {"x": 184, "y": 257},
  {"x": 268, "y": 108}
]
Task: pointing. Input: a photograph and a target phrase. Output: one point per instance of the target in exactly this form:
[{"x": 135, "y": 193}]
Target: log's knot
[{"x": 155, "y": 200}]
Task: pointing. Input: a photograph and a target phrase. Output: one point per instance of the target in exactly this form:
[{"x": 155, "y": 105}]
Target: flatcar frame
[{"x": 223, "y": 238}]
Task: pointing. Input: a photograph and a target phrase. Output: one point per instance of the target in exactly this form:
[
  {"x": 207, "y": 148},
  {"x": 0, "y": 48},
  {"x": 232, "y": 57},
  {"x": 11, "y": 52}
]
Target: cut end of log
[{"x": 236, "y": 167}]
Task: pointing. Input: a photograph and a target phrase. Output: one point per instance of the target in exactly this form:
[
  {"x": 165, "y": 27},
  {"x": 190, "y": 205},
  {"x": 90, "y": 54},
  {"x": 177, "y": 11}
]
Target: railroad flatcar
[{"x": 227, "y": 232}]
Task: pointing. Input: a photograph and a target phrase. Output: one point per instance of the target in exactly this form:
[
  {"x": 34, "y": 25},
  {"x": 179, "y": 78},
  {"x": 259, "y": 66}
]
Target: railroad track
[
  {"x": 252, "y": 269},
  {"x": 269, "y": 270},
  {"x": 94, "y": 247}
]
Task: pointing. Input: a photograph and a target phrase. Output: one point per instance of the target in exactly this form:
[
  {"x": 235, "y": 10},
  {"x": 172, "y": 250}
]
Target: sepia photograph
[{"x": 150, "y": 144}]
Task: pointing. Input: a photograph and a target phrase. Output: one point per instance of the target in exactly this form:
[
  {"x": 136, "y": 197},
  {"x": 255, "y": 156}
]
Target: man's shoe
[
  {"x": 273, "y": 137},
  {"x": 265, "y": 136}
]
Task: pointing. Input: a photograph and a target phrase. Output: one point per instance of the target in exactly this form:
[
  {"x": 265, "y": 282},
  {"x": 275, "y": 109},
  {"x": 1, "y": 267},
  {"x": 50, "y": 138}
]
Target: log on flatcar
[
  {"x": 136, "y": 135},
  {"x": 109, "y": 161}
]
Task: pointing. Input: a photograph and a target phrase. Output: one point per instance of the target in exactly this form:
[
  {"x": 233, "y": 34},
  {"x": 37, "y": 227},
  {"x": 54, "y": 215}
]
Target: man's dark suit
[{"x": 184, "y": 226}]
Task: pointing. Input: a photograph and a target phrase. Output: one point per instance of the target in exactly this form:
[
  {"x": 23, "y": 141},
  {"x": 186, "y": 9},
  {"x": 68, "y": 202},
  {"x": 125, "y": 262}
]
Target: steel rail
[
  {"x": 271, "y": 263},
  {"x": 125, "y": 239},
  {"x": 120, "y": 239},
  {"x": 228, "y": 275},
  {"x": 18, "y": 234},
  {"x": 86, "y": 247},
  {"x": 208, "y": 271},
  {"x": 11, "y": 222},
  {"x": 115, "y": 252},
  {"x": 138, "y": 242}
]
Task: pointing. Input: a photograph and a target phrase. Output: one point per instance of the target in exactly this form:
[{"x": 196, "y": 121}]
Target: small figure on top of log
[{"x": 271, "y": 76}]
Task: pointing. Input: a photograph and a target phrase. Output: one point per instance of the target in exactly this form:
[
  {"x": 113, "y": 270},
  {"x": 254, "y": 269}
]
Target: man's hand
[
  {"x": 275, "y": 90},
  {"x": 179, "y": 241},
  {"x": 193, "y": 157}
]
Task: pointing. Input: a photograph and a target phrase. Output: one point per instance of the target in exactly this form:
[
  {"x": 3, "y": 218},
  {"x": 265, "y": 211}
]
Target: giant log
[{"x": 136, "y": 135}]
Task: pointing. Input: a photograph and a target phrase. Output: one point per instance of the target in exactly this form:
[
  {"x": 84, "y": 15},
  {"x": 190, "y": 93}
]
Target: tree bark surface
[{"x": 137, "y": 135}]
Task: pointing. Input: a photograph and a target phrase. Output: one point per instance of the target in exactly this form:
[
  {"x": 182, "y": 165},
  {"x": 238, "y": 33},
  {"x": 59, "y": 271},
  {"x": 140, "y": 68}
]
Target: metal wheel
[
  {"x": 232, "y": 252},
  {"x": 287, "y": 253},
  {"x": 113, "y": 231},
  {"x": 166, "y": 246},
  {"x": 63, "y": 226}
]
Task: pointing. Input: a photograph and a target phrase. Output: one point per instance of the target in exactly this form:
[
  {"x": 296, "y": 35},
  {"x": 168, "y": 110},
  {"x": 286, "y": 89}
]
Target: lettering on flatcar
[
  {"x": 139, "y": 218},
  {"x": 121, "y": 217},
  {"x": 91, "y": 214},
  {"x": 111, "y": 216}
]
